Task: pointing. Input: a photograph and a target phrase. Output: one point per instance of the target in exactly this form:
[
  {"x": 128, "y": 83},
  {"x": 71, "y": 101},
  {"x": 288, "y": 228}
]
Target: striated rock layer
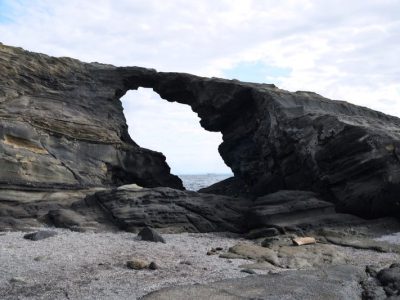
[{"x": 61, "y": 123}]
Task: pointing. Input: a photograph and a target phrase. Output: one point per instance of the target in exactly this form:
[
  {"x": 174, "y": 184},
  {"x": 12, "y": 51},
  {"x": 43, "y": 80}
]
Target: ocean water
[{"x": 199, "y": 181}]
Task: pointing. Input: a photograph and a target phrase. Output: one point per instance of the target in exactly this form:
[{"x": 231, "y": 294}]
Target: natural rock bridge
[{"x": 62, "y": 128}]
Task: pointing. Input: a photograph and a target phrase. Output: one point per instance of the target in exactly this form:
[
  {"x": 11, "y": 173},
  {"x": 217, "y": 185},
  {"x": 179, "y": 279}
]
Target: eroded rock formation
[{"x": 62, "y": 126}]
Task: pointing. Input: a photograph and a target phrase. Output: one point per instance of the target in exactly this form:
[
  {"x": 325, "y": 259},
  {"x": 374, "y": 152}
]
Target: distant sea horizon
[{"x": 194, "y": 182}]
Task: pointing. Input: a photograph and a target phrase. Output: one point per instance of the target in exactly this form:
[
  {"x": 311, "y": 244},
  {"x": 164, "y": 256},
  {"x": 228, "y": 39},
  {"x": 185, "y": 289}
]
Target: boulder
[
  {"x": 153, "y": 266},
  {"x": 137, "y": 264},
  {"x": 149, "y": 234},
  {"x": 390, "y": 279},
  {"x": 383, "y": 284},
  {"x": 40, "y": 235},
  {"x": 22, "y": 209},
  {"x": 65, "y": 218}
]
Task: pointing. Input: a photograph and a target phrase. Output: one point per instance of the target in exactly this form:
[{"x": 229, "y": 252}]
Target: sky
[{"x": 344, "y": 50}]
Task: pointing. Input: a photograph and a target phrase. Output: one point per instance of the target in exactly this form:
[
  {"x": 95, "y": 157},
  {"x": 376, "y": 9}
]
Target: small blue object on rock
[
  {"x": 149, "y": 234},
  {"x": 39, "y": 235}
]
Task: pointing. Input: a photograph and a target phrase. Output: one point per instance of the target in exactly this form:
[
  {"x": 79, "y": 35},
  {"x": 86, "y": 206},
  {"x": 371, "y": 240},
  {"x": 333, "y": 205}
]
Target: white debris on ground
[{"x": 76, "y": 265}]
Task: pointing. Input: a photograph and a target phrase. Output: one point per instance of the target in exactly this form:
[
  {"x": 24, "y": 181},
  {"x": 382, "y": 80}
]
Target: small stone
[
  {"x": 40, "y": 235},
  {"x": 219, "y": 249},
  {"x": 186, "y": 262},
  {"x": 263, "y": 232},
  {"x": 137, "y": 264},
  {"x": 269, "y": 241},
  {"x": 149, "y": 234},
  {"x": 248, "y": 271},
  {"x": 39, "y": 258},
  {"x": 153, "y": 266},
  {"x": 17, "y": 279}
]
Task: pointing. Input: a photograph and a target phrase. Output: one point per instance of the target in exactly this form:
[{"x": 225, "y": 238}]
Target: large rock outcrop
[
  {"x": 132, "y": 208},
  {"x": 62, "y": 124}
]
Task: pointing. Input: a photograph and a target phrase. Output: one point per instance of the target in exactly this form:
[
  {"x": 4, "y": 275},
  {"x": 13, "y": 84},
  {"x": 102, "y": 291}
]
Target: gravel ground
[{"x": 75, "y": 265}]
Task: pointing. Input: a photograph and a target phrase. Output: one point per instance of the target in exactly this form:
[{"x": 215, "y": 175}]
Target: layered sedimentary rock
[
  {"x": 132, "y": 208},
  {"x": 62, "y": 125}
]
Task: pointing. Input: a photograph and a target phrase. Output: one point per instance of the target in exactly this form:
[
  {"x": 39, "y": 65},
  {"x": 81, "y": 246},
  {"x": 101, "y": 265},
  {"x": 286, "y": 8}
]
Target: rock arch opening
[{"x": 174, "y": 130}]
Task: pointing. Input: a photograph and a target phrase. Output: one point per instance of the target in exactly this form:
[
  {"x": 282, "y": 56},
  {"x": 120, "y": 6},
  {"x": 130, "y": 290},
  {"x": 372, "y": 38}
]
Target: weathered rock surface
[
  {"x": 40, "y": 235},
  {"x": 25, "y": 208},
  {"x": 62, "y": 125},
  {"x": 132, "y": 207},
  {"x": 295, "y": 210},
  {"x": 340, "y": 282},
  {"x": 274, "y": 140},
  {"x": 282, "y": 254},
  {"x": 171, "y": 210},
  {"x": 149, "y": 234},
  {"x": 384, "y": 284},
  {"x": 231, "y": 186}
]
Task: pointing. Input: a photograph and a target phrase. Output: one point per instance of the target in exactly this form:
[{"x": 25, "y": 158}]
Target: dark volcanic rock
[
  {"x": 390, "y": 280},
  {"x": 262, "y": 232},
  {"x": 149, "y": 234},
  {"x": 295, "y": 210},
  {"x": 384, "y": 284},
  {"x": 172, "y": 210},
  {"x": 230, "y": 187},
  {"x": 39, "y": 235},
  {"x": 61, "y": 124}
]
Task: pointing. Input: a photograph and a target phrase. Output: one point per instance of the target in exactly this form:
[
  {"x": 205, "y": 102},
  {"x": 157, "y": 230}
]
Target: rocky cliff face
[
  {"x": 62, "y": 124},
  {"x": 274, "y": 139}
]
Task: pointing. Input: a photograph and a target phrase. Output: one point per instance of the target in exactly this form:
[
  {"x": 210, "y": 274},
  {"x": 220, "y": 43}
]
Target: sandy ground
[{"x": 76, "y": 265}]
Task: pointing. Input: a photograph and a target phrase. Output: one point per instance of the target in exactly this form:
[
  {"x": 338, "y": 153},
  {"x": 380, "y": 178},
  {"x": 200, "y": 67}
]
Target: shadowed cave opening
[{"x": 174, "y": 129}]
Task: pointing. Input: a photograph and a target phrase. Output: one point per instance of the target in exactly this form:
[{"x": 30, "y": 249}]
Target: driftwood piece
[{"x": 304, "y": 241}]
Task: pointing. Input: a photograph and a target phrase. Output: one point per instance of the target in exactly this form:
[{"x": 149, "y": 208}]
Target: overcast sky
[{"x": 347, "y": 50}]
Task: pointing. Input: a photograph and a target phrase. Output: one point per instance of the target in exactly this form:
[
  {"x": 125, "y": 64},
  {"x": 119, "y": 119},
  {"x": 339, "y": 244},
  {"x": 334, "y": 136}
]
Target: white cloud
[{"x": 344, "y": 50}]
